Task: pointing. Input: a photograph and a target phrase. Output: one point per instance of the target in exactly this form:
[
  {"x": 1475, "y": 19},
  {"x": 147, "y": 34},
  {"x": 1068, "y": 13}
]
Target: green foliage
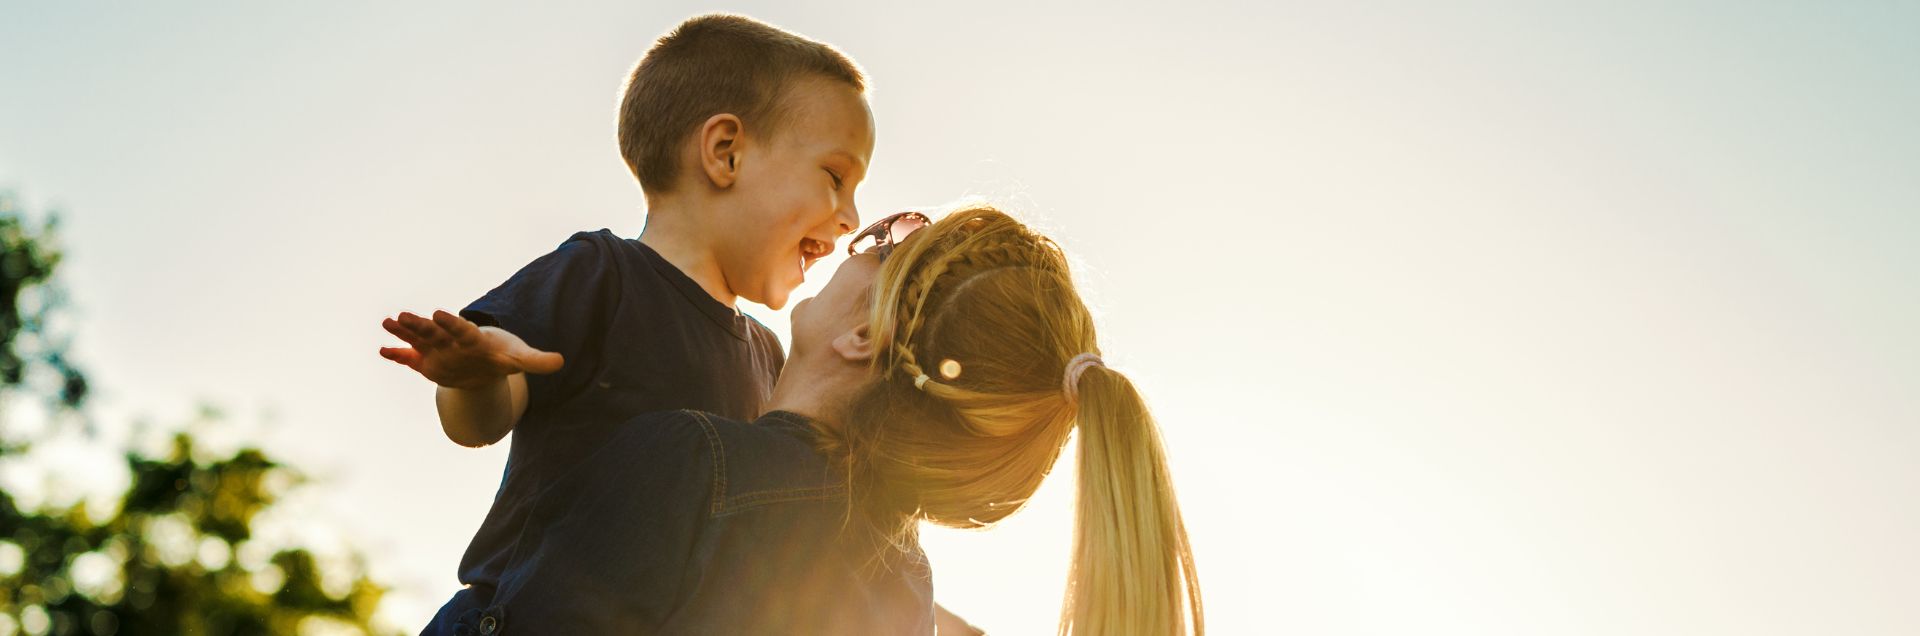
[
  {"x": 177, "y": 555},
  {"x": 28, "y": 257}
]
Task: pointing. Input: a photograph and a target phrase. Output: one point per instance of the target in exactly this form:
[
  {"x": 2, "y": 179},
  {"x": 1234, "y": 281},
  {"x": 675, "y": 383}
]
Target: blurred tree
[{"x": 177, "y": 555}]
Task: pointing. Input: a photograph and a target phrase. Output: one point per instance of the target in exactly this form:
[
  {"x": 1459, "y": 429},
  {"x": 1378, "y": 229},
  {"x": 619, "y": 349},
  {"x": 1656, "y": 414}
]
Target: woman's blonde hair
[{"x": 976, "y": 320}]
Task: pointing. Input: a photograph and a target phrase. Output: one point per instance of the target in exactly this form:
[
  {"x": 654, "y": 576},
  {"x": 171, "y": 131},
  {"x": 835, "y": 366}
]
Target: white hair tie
[{"x": 1079, "y": 364}]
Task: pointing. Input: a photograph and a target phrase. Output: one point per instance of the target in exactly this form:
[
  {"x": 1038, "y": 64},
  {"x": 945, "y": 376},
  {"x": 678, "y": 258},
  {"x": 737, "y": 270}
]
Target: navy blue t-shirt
[
  {"x": 637, "y": 335},
  {"x": 689, "y": 523}
]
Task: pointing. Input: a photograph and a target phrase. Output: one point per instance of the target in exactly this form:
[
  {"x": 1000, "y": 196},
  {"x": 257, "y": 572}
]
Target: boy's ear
[
  {"x": 855, "y": 345},
  {"x": 720, "y": 142}
]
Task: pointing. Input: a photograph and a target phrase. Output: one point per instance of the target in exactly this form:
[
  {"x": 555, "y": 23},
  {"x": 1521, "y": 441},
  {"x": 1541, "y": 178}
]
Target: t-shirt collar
[{"x": 728, "y": 318}]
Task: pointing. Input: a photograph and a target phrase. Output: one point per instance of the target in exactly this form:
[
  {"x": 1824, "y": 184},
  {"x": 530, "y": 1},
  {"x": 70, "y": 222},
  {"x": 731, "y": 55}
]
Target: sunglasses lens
[
  {"x": 906, "y": 225},
  {"x": 886, "y": 232}
]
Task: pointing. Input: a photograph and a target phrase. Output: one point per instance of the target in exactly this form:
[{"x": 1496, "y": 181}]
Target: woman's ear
[
  {"x": 720, "y": 144},
  {"x": 855, "y": 345}
]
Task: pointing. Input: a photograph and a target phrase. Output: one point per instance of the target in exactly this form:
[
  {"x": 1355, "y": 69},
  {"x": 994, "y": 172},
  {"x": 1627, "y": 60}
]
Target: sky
[{"x": 1461, "y": 318}]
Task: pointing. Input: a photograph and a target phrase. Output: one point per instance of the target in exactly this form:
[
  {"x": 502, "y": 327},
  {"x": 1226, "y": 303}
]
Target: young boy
[{"x": 748, "y": 142}]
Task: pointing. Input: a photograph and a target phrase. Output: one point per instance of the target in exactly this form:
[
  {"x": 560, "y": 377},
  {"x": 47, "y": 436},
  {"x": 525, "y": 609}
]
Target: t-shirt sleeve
[{"x": 560, "y": 303}]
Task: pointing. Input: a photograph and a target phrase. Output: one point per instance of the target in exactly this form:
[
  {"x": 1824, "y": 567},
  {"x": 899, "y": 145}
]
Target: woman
[{"x": 933, "y": 379}]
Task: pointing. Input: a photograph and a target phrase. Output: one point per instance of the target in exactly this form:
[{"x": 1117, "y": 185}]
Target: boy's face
[{"x": 794, "y": 194}]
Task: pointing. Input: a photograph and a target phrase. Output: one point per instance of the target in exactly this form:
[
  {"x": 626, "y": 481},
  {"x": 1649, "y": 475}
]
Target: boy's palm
[{"x": 453, "y": 352}]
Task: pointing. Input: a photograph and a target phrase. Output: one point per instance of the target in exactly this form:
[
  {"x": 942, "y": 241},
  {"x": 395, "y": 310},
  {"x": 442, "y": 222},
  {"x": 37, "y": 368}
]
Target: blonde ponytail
[
  {"x": 978, "y": 324},
  {"x": 1133, "y": 570}
]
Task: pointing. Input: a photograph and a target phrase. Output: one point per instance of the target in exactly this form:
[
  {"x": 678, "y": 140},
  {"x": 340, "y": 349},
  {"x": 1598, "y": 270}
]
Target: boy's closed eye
[{"x": 837, "y": 183}]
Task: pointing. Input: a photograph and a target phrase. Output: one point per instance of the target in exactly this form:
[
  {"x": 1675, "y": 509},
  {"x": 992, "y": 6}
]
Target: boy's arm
[
  {"x": 480, "y": 416},
  {"x": 480, "y": 370}
]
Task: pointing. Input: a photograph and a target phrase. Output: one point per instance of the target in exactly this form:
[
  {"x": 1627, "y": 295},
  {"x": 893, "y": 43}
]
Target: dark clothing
[
  {"x": 688, "y": 523},
  {"x": 637, "y": 336}
]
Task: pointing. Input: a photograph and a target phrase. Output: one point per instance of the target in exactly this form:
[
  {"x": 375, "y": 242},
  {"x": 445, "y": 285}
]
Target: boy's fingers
[
  {"x": 539, "y": 362},
  {"x": 401, "y": 331},
  {"x": 460, "y": 329},
  {"x": 402, "y": 355},
  {"x": 430, "y": 333}
]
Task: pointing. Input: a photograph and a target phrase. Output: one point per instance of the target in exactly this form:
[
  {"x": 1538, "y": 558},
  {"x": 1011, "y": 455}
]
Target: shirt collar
[
  {"x": 790, "y": 419},
  {"x": 728, "y": 318}
]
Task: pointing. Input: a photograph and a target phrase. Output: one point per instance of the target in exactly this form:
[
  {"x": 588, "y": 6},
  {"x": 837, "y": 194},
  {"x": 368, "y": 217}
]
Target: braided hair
[{"x": 976, "y": 319}]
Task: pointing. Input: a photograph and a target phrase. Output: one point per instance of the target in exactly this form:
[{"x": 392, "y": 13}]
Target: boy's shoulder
[
  {"x": 621, "y": 255},
  {"x": 585, "y": 263},
  {"x": 598, "y": 244},
  {"x": 613, "y": 263},
  {"x": 582, "y": 254}
]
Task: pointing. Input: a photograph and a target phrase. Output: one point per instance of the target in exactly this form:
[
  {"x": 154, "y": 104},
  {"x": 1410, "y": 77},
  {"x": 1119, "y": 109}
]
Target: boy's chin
[
  {"x": 774, "y": 292},
  {"x": 778, "y": 292},
  {"x": 775, "y": 299}
]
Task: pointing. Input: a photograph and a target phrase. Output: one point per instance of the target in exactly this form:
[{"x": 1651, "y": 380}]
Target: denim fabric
[{"x": 688, "y": 523}]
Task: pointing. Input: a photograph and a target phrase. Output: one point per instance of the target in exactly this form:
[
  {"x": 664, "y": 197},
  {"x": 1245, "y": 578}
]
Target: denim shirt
[{"x": 689, "y": 523}]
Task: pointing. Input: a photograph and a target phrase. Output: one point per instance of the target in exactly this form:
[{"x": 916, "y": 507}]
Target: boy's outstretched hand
[{"x": 453, "y": 352}]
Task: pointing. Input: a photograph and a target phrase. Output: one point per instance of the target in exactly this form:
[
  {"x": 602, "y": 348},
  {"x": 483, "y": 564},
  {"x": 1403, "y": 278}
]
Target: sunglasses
[{"x": 885, "y": 233}]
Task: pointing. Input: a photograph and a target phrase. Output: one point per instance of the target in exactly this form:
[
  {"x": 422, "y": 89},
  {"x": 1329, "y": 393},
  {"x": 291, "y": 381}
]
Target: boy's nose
[{"x": 849, "y": 218}]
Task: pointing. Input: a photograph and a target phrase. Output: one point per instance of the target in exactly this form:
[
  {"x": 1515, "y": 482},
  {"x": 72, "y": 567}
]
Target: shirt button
[{"x": 487, "y": 625}]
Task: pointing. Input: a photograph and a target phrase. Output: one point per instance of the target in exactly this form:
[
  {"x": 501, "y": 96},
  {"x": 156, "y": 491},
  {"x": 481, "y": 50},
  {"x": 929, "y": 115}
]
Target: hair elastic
[{"x": 1076, "y": 366}]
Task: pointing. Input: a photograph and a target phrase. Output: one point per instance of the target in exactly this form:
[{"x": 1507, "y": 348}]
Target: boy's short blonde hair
[{"x": 714, "y": 64}]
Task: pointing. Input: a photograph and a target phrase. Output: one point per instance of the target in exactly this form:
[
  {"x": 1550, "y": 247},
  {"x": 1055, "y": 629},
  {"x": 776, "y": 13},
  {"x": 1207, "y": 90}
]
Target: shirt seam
[
  {"x": 749, "y": 501},
  {"x": 719, "y": 456}
]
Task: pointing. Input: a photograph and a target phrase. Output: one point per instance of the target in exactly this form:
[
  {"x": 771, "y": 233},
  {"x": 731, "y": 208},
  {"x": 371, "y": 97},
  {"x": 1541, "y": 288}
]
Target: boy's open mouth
[{"x": 811, "y": 251}]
